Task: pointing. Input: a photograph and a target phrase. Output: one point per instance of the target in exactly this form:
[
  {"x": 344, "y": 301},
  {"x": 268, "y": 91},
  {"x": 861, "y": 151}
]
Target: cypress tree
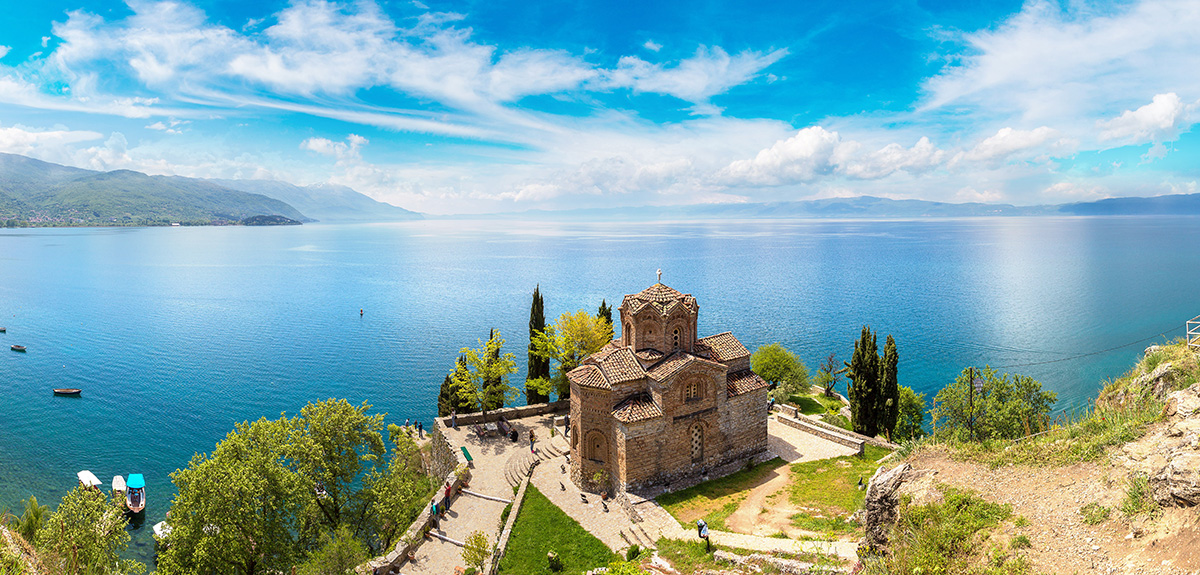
[
  {"x": 889, "y": 396},
  {"x": 605, "y": 311},
  {"x": 538, "y": 367},
  {"x": 863, "y": 371},
  {"x": 446, "y": 397}
]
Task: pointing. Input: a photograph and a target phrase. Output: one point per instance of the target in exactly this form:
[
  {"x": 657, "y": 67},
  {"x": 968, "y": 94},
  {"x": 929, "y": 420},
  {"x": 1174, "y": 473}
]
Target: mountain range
[{"x": 33, "y": 192}]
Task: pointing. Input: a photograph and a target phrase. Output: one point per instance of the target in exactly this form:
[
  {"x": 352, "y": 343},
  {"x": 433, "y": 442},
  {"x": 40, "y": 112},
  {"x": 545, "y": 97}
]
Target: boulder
[
  {"x": 1184, "y": 403},
  {"x": 1159, "y": 381},
  {"x": 880, "y": 507},
  {"x": 1177, "y": 484}
]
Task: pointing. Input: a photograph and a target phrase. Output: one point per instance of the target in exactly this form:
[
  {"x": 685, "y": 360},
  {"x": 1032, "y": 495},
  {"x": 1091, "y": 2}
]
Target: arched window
[
  {"x": 691, "y": 390},
  {"x": 697, "y": 443},
  {"x": 675, "y": 338},
  {"x": 628, "y": 334},
  {"x": 597, "y": 446}
]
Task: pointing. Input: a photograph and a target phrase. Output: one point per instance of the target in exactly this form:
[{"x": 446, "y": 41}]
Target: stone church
[{"x": 659, "y": 403}]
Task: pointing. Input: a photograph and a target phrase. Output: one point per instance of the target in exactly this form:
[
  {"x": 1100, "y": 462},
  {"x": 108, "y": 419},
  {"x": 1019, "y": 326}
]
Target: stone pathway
[{"x": 496, "y": 461}]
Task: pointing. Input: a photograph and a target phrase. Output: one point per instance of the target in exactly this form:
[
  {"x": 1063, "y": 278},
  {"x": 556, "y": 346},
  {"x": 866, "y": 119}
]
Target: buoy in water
[{"x": 360, "y": 312}]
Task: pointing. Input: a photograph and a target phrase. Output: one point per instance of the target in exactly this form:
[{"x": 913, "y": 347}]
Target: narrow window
[
  {"x": 697, "y": 443},
  {"x": 691, "y": 391},
  {"x": 675, "y": 338}
]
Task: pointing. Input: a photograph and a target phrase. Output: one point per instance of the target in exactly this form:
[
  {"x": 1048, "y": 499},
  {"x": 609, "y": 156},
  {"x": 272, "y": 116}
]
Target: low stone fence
[
  {"x": 502, "y": 543},
  {"x": 414, "y": 535},
  {"x": 511, "y": 413},
  {"x": 839, "y": 437}
]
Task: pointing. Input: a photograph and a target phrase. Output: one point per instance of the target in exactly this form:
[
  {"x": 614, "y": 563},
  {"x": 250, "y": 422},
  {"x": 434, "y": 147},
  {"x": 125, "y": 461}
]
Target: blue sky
[{"x": 459, "y": 107}]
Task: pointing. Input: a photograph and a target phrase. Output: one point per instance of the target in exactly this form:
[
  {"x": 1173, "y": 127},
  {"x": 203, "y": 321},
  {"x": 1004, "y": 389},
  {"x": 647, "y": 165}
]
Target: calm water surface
[{"x": 176, "y": 333}]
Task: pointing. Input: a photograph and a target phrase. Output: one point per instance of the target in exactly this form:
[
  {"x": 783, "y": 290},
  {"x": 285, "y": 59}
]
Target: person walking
[
  {"x": 532, "y": 439},
  {"x": 420, "y": 430}
]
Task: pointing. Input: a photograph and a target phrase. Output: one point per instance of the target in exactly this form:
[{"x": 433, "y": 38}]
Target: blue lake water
[{"x": 174, "y": 334}]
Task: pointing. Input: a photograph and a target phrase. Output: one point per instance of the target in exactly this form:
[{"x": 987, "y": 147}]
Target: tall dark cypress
[
  {"x": 538, "y": 367},
  {"x": 889, "y": 396},
  {"x": 605, "y": 311},
  {"x": 446, "y": 399},
  {"x": 864, "y": 369}
]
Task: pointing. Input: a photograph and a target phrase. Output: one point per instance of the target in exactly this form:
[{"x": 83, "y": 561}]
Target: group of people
[{"x": 420, "y": 427}]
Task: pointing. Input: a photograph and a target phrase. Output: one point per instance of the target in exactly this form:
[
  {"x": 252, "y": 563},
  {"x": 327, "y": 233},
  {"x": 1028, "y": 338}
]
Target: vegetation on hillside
[
  {"x": 571, "y": 339},
  {"x": 542, "y": 527},
  {"x": 874, "y": 391},
  {"x": 315, "y": 489},
  {"x": 781, "y": 368},
  {"x": 84, "y": 535}
]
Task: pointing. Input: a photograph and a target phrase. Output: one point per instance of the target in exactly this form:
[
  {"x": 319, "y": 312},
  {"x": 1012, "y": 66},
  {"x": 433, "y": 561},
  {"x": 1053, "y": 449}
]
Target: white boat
[
  {"x": 118, "y": 484},
  {"x": 135, "y": 498},
  {"x": 88, "y": 479},
  {"x": 161, "y": 530}
]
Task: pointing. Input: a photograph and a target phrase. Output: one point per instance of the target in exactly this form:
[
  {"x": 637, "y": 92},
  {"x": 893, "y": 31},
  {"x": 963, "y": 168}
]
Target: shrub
[
  {"x": 1021, "y": 521},
  {"x": 1094, "y": 513},
  {"x": 554, "y": 561},
  {"x": 633, "y": 552},
  {"x": 1020, "y": 542},
  {"x": 1138, "y": 498},
  {"x": 1008, "y": 407}
]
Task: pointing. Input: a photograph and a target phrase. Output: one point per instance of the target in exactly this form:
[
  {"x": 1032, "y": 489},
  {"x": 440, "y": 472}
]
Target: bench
[
  {"x": 466, "y": 454},
  {"x": 504, "y": 426}
]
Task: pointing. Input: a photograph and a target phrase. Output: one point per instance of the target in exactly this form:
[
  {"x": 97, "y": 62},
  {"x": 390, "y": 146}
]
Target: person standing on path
[
  {"x": 532, "y": 439},
  {"x": 420, "y": 430}
]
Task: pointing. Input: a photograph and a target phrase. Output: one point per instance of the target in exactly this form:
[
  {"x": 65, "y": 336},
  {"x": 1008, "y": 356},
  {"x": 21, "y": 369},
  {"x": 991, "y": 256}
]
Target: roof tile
[
  {"x": 723, "y": 347},
  {"x": 743, "y": 381},
  {"x": 636, "y": 408}
]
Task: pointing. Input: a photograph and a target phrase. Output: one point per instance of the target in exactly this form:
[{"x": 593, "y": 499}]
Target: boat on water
[
  {"x": 135, "y": 497},
  {"x": 18, "y": 348},
  {"x": 3, "y": 330},
  {"x": 88, "y": 479},
  {"x": 118, "y": 484},
  {"x": 67, "y": 391}
]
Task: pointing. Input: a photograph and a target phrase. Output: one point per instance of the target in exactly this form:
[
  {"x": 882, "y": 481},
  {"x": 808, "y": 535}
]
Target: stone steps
[{"x": 517, "y": 467}]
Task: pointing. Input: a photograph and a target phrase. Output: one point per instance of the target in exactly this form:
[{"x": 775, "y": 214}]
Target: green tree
[
  {"x": 240, "y": 509},
  {"x": 454, "y": 400},
  {"x": 538, "y": 366},
  {"x": 1007, "y": 407},
  {"x": 395, "y": 494},
  {"x": 864, "y": 392},
  {"x": 332, "y": 443},
  {"x": 888, "y": 406},
  {"x": 475, "y": 551},
  {"x": 910, "y": 423},
  {"x": 447, "y": 399},
  {"x": 31, "y": 519},
  {"x": 338, "y": 554},
  {"x": 605, "y": 312},
  {"x": 85, "y": 534},
  {"x": 484, "y": 380},
  {"x": 781, "y": 368},
  {"x": 571, "y": 339},
  {"x": 829, "y": 374}
]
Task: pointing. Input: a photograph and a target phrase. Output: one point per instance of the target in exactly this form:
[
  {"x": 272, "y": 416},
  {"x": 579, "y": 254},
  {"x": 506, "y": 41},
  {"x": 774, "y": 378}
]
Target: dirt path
[{"x": 1050, "y": 499}]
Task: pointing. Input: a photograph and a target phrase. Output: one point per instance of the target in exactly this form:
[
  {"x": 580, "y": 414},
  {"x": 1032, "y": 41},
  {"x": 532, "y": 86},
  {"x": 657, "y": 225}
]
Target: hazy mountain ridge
[
  {"x": 43, "y": 193},
  {"x": 324, "y": 202}
]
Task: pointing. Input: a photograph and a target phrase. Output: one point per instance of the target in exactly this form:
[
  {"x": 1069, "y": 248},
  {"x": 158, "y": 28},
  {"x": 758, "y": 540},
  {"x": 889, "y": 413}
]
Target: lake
[{"x": 175, "y": 334}]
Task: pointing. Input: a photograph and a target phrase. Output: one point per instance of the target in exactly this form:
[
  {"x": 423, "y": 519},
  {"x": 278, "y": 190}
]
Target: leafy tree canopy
[
  {"x": 85, "y": 535},
  {"x": 571, "y": 339},
  {"x": 483, "y": 380},
  {"x": 1007, "y": 407},
  {"x": 781, "y": 368},
  {"x": 910, "y": 423}
]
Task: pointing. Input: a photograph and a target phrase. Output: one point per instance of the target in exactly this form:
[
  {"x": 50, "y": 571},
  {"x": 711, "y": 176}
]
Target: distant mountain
[
  {"x": 1174, "y": 205},
  {"x": 324, "y": 202},
  {"x": 41, "y": 193}
]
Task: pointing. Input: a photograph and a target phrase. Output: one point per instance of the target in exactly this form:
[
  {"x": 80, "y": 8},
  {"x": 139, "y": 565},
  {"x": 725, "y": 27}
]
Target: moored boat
[
  {"x": 18, "y": 348},
  {"x": 67, "y": 391},
  {"x": 135, "y": 497},
  {"x": 88, "y": 479},
  {"x": 3, "y": 330},
  {"x": 118, "y": 484}
]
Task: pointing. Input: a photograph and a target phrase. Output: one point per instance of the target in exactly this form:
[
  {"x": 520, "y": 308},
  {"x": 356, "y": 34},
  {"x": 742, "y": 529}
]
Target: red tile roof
[
  {"x": 636, "y": 408},
  {"x": 648, "y": 354},
  {"x": 723, "y": 347},
  {"x": 743, "y": 381},
  {"x": 661, "y": 298},
  {"x": 588, "y": 376}
]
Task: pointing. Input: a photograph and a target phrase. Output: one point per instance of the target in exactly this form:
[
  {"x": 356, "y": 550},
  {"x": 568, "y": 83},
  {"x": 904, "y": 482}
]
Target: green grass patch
[
  {"x": 947, "y": 537},
  {"x": 829, "y": 490},
  {"x": 1138, "y": 498},
  {"x": 691, "y": 557},
  {"x": 542, "y": 527},
  {"x": 1020, "y": 542},
  {"x": 1094, "y": 513},
  {"x": 715, "y": 500}
]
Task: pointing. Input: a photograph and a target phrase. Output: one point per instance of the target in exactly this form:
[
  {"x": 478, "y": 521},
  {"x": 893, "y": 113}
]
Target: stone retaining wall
[
  {"x": 836, "y": 437},
  {"x": 502, "y": 543},
  {"x": 510, "y": 413},
  {"x": 414, "y": 534}
]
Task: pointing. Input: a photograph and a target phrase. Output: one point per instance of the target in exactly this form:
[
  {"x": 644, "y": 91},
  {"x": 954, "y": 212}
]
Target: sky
[{"x": 496, "y": 106}]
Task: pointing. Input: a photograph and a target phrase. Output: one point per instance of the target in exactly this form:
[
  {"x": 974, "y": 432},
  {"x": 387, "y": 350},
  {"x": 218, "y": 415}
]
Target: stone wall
[
  {"x": 843, "y": 438},
  {"x": 510, "y": 413}
]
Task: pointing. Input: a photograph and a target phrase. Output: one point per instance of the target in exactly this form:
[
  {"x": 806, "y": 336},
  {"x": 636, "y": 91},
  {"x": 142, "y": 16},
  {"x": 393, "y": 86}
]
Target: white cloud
[
  {"x": 652, "y": 46},
  {"x": 4, "y": 50},
  {"x": 343, "y": 151},
  {"x": 1075, "y": 192},
  {"x": 921, "y": 157},
  {"x": 710, "y": 71},
  {"x": 45, "y": 144},
  {"x": 1160, "y": 120},
  {"x": 1008, "y": 141},
  {"x": 969, "y": 194},
  {"x": 815, "y": 152},
  {"x": 45, "y": 41}
]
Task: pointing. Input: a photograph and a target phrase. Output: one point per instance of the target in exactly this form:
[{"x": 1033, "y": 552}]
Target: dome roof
[{"x": 660, "y": 297}]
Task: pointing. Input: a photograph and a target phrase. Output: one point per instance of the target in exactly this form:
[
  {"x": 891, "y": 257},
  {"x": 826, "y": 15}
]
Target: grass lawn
[
  {"x": 542, "y": 527},
  {"x": 828, "y": 489},
  {"x": 814, "y": 403},
  {"x": 716, "y": 500},
  {"x": 691, "y": 557}
]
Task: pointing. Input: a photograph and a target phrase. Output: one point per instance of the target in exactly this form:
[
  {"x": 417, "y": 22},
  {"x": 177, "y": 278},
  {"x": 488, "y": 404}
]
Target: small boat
[
  {"x": 135, "y": 498},
  {"x": 88, "y": 479},
  {"x": 3, "y": 330},
  {"x": 68, "y": 391},
  {"x": 118, "y": 484},
  {"x": 161, "y": 530},
  {"x": 18, "y": 348}
]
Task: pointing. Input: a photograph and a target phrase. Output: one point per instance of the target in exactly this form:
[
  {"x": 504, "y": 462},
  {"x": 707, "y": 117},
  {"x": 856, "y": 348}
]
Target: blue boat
[{"x": 135, "y": 497}]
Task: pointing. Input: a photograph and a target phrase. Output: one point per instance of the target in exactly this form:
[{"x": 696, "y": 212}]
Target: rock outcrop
[
  {"x": 881, "y": 507},
  {"x": 1177, "y": 483}
]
